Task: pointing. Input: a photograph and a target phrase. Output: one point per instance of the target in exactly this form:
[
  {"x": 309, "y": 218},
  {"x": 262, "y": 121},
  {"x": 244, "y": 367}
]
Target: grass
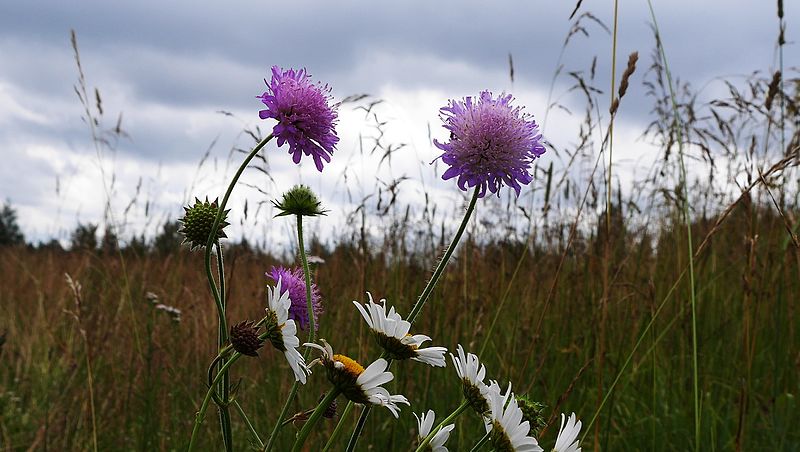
[{"x": 147, "y": 401}]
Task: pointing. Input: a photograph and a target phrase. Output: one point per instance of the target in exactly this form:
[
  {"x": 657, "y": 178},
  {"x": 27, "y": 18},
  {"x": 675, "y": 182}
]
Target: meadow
[{"x": 664, "y": 317}]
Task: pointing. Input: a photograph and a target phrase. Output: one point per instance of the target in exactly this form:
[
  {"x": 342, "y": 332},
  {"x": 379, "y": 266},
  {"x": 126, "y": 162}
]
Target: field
[{"x": 665, "y": 314}]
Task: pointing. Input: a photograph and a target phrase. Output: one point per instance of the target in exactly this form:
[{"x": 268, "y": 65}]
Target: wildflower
[
  {"x": 391, "y": 332},
  {"x": 491, "y": 143},
  {"x": 172, "y": 311},
  {"x": 508, "y": 432},
  {"x": 300, "y": 200},
  {"x": 282, "y": 331},
  {"x": 425, "y": 423},
  {"x": 198, "y": 221},
  {"x": 305, "y": 119},
  {"x": 245, "y": 339},
  {"x": 472, "y": 373},
  {"x": 359, "y": 385},
  {"x": 567, "y": 440},
  {"x": 295, "y": 285}
]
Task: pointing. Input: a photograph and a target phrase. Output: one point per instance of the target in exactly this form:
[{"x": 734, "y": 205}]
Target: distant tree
[
  {"x": 52, "y": 245},
  {"x": 169, "y": 240},
  {"x": 84, "y": 237},
  {"x": 10, "y": 233},
  {"x": 137, "y": 245},
  {"x": 110, "y": 242}
]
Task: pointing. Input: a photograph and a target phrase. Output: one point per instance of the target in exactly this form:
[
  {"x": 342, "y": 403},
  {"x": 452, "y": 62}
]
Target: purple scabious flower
[
  {"x": 491, "y": 143},
  {"x": 293, "y": 281},
  {"x": 305, "y": 119}
]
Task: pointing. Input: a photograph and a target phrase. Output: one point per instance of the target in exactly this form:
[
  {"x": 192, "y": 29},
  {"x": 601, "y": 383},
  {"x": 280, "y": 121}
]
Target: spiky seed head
[
  {"x": 198, "y": 220},
  {"x": 300, "y": 200},
  {"x": 244, "y": 338},
  {"x": 533, "y": 412}
]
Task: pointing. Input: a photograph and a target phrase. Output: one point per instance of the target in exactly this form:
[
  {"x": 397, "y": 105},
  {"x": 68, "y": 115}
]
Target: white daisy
[
  {"x": 472, "y": 373},
  {"x": 282, "y": 331},
  {"x": 356, "y": 383},
  {"x": 508, "y": 432},
  {"x": 567, "y": 440},
  {"x": 425, "y": 423},
  {"x": 391, "y": 332}
]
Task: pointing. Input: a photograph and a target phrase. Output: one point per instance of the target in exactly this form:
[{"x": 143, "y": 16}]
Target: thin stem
[
  {"x": 633, "y": 352},
  {"x": 204, "y": 406},
  {"x": 307, "y": 274},
  {"x": 312, "y": 421},
  {"x": 248, "y": 423},
  {"x": 679, "y": 130},
  {"x": 437, "y": 273},
  {"x": 415, "y": 310},
  {"x": 362, "y": 421},
  {"x": 464, "y": 405},
  {"x": 219, "y": 294},
  {"x": 339, "y": 425},
  {"x": 482, "y": 442},
  {"x": 224, "y": 385},
  {"x": 274, "y": 435}
]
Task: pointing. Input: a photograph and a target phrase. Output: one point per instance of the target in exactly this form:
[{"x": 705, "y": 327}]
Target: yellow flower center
[{"x": 350, "y": 365}]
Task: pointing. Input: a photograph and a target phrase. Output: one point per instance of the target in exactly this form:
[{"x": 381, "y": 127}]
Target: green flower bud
[
  {"x": 300, "y": 200},
  {"x": 198, "y": 221}
]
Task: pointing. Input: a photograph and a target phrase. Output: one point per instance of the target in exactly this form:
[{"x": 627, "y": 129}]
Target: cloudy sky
[{"x": 169, "y": 68}]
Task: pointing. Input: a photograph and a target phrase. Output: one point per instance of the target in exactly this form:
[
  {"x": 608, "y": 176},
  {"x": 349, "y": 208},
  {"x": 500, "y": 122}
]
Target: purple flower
[
  {"x": 491, "y": 143},
  {"x": 293, "y": 281},
  {"x": 305, "y": 120}
]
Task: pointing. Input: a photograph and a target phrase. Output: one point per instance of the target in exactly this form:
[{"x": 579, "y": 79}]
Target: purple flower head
[
  {"x": 491, "y": 143},
  {"x": 293, "y": 281},
  {"x": 305, "y": 119}
]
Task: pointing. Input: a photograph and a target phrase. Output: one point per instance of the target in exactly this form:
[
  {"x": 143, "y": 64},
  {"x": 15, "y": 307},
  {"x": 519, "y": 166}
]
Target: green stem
[
  {"x": 679, "y": 130},
  {"x": 213, "y": 235},
  {"x": 311, "y": 333},
  {"x": 248, "y": 423},
  {"x": 415, "y": 310},
  {"x": 312, "y": 421},
  {"x": 307, "y": 274},
  {"x": 437, "y": 273},
  {"x": 224, "y": 385},
  {"x": 274, "y": 435},
  {"x": 339, "y": 425},
  {"x": 482, "y": 442},
  {"x": 204, "y": 406},
  {"x": 464, "y": 405},
  {"x": 219, "y": 295}
]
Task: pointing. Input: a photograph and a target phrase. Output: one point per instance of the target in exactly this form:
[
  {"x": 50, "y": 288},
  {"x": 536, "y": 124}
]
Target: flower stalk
[{"x": 312, "y": 421}]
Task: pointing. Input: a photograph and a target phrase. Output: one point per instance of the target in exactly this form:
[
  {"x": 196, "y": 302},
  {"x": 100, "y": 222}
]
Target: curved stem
[
  {"x": 482, "y": 442},
  {"x": 464, "y": 405},
  {"x": 312, "y": 421},
  {"x": 204, "y": 406},
  {"x": 426, "y": 293},
  {"x": 437, "y": 273},
  {"x": 219, "y": 295},
  {"x": 213, "y": 235}
]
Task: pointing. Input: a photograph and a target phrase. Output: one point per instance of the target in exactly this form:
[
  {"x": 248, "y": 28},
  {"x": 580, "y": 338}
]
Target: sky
[{"x": 169, "y": 69}]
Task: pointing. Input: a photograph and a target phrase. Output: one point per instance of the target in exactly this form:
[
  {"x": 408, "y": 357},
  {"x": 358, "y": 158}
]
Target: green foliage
[
  {"x": 10, "y": 233},
  {"x": 84, "y": 237}
]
